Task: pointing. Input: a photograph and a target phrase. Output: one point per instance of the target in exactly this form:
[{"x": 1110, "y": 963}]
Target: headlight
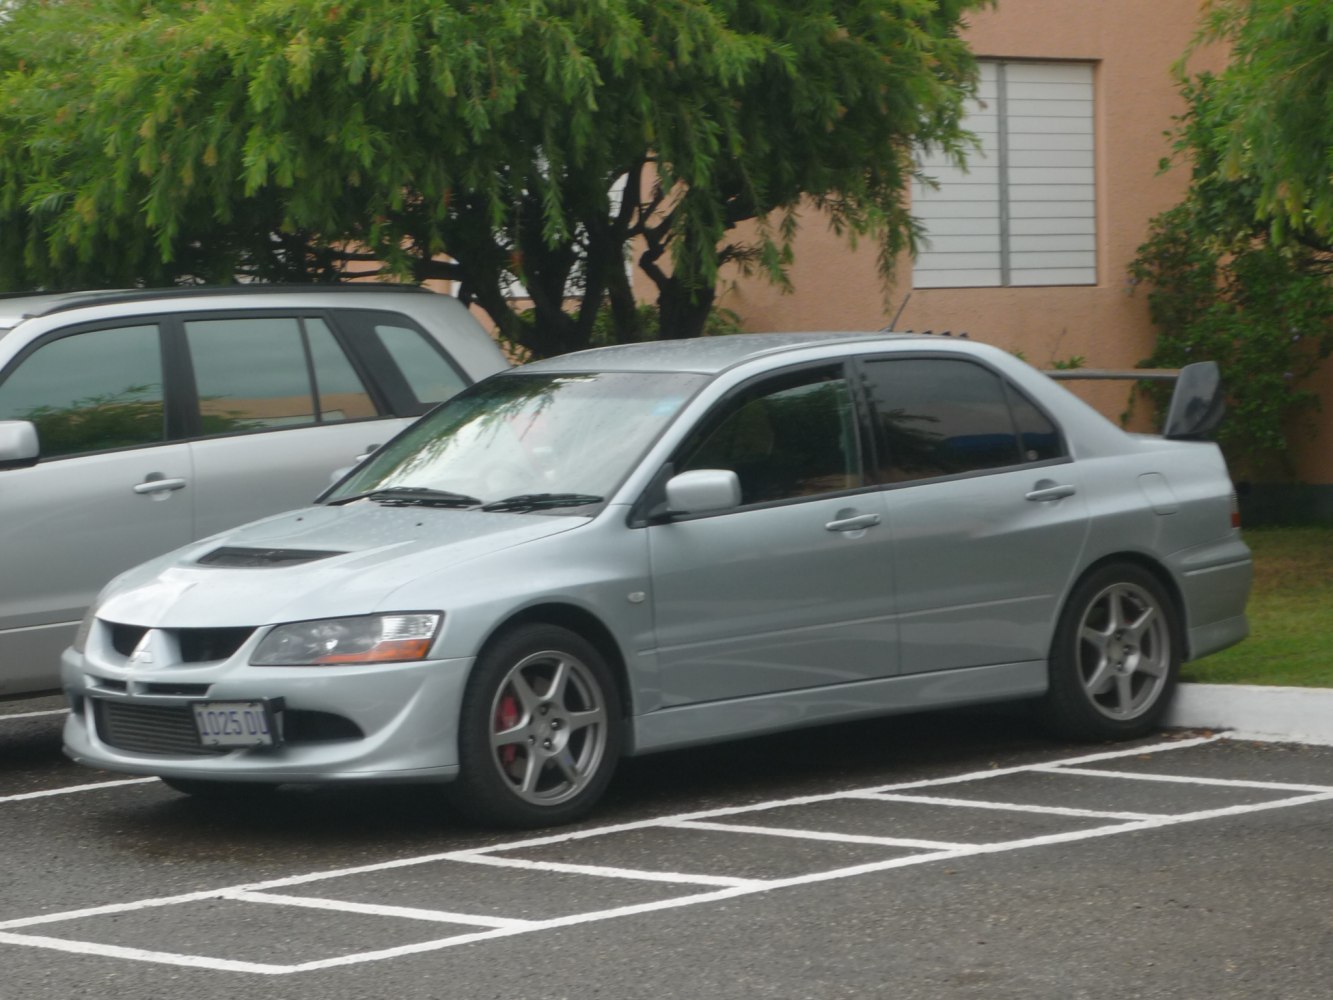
[{"x": 366, "y": 639}]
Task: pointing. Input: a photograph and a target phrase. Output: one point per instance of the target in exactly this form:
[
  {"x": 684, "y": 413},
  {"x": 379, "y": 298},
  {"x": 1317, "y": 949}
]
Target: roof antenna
[{"x": 894, "y": 322}]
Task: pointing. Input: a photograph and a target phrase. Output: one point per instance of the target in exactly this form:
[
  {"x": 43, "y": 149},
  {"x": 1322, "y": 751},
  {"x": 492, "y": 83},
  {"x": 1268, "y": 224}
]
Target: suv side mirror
[
  {"x": 703, "y": 491},
  {"x": 18, "y": 444},
  {"x": 1197, "y": 405}
]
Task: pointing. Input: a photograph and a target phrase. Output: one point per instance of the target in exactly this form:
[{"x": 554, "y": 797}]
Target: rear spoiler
[{"x": 1197, "y": 404}]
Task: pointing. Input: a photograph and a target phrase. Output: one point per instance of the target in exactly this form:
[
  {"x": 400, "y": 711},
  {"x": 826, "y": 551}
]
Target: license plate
[{"x": 234, "y": 723}]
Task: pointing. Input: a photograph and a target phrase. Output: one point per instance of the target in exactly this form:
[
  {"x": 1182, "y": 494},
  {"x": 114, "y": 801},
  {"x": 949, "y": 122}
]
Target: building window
[{"x": 1024, "y": 211}]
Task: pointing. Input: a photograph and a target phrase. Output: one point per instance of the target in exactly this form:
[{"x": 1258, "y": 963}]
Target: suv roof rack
[{"x": 77, "y": 300}]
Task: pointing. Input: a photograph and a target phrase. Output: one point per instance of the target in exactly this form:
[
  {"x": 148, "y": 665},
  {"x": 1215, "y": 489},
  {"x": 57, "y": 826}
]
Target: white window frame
[{"x": 1024, "y": 211}]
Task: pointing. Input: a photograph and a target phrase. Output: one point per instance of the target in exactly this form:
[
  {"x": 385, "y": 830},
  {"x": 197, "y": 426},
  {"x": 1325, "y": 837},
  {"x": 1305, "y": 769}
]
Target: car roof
[
  {"x": 704, "y": 355},
  {"x": 16, "y": 308}
]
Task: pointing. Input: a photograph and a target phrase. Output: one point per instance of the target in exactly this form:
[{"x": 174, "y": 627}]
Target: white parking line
[
  {"x": 140, "y": 955},
  {"x": 840, "y": 838},
  {"x": 936, "y": 800},
  {"x": 1181, "y": 779},
  {"x": 95, "y": 786},
  {"x": 34, "y": 715},
  {"x": 379, "y": 910},
  {"x": 14, "y": 931},
  {"x": 484, "y": 857}
]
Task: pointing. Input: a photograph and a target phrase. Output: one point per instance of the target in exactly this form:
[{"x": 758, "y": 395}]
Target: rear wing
[{"x": 1197, "y": 404}]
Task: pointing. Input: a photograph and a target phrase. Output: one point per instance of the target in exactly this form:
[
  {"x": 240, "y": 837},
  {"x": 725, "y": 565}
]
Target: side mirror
[
  {"x": 18, "y": 444},
  {"x": 338, "y": 474},
  {"x": 703, "y": 491},
  {"x": 1197, "y": 405}
]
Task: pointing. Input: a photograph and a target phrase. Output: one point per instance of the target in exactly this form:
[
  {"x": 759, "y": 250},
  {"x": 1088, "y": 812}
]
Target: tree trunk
[{"x": 684, "y": 310}]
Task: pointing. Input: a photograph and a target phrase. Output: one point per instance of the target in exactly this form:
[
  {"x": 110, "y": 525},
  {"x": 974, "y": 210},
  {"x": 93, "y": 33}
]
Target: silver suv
[{"x": 134, "y": 422}]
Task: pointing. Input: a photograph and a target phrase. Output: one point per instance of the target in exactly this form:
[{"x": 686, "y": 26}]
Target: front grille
[
  {"x": 124, "y": 638},
  {"x": 179, "y": 690},
  {"x": 197, "y": 645},
  {"x": 202, "y": 645},
  {"x": 154, "y": 729}
]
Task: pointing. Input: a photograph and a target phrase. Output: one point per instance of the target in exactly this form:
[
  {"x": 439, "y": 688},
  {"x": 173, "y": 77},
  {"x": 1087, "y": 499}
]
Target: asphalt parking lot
[{"x": 956, "y": 855}]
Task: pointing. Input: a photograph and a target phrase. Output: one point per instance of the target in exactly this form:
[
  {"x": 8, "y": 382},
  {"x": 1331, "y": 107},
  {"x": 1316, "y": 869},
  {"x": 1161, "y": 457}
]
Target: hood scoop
[{"x": 237, "y": 556}]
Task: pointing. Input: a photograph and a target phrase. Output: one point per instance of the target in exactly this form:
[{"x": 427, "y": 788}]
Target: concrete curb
[{"x": 1256, "y": 712}]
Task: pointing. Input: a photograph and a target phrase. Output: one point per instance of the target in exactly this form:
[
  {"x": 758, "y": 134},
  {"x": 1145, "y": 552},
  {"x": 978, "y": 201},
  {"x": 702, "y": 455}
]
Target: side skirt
[{"x": 712, "y": 722}]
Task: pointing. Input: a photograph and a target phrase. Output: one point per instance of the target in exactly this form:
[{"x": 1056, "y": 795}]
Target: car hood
[{"x": 316, "y": 562}]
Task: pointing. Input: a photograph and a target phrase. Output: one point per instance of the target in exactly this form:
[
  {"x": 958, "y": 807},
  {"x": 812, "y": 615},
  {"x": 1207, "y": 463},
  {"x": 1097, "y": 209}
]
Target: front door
[
  {"x": 793, "y": 589},
  {"x": 108, "y": 493}
]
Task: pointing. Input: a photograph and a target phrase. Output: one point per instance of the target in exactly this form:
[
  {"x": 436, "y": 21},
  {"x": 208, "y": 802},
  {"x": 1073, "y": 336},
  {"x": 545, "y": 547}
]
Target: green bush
[{"x": 1224, "y": 285}]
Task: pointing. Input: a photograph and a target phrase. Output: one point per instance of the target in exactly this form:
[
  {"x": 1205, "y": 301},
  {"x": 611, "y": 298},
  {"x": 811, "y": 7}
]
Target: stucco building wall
[{"x": 1131, "y": 45}]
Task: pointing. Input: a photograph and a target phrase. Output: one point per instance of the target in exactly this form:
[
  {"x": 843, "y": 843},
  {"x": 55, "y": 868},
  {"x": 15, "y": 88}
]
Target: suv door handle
[
  {"x": 855, "y": 523},
  {"x": 1046, "y": 491},
  {"x": 159, "y": 485}
]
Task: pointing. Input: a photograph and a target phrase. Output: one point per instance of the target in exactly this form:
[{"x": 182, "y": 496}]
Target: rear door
[
  {"x": 282, "y": 402},
  {"x": 984, "y": 505}
]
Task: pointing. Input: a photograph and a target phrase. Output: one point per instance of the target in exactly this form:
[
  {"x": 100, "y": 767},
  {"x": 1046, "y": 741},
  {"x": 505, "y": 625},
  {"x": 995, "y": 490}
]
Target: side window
[
  {"x": 941, "y": 417},
  {"x": 342, "y": 395},
  {"x": 91, "y": 391},
  {"x": 793, "y": 436},
  {"x": 253, "y": 373},
  {"x": 1040, "y": 438},
  {"x": 430, "y": 376}
]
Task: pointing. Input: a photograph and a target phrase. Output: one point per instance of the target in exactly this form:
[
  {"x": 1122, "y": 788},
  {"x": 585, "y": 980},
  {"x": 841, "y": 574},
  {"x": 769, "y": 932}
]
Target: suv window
[
  {"x": 943, "y": 416},
  {"x": 259, "y": 372},
  {"x": 90, "y": 391},
  {"x": 429, "y": 374},
  {"x": 788, "y": 437}
]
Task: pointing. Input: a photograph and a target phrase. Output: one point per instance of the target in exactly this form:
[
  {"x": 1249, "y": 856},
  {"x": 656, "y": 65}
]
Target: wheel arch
[
  {"x": 1159, "y": 572},
  {"x": 582, "y": 622}
]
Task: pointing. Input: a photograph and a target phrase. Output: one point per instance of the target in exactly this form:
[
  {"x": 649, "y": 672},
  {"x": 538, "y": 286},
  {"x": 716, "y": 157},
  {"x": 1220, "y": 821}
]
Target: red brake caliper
[{"x": 507, "y": 714}]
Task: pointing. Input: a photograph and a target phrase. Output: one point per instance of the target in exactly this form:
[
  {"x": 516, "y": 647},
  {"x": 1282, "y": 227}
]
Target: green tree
[
  {"x": 1272, "y": 120},
  {"x": 155, "y": 141},
  {"x": 1240, "y": 272}
]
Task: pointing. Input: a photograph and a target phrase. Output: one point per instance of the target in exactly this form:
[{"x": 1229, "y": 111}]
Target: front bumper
[{"x": 404, "y": 719}]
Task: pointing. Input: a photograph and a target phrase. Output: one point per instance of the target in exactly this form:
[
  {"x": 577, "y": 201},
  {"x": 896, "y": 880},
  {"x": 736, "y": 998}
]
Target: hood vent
[{"x": 233, "y": 556}]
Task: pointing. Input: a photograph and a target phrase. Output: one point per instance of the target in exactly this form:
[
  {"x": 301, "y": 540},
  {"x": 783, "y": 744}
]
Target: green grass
[{"x": 1290, "y": 611}]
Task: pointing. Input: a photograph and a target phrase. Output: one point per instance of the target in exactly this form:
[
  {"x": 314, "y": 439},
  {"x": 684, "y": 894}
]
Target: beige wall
[{"x": 1132, "y": 44}]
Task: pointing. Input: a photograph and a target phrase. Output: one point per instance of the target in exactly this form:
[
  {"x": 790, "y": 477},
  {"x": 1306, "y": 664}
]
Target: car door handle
[
  {"x": 1048, "y": 491},
  {"x": 853, "y": 523},
  {"x": 161, "y": 485}
]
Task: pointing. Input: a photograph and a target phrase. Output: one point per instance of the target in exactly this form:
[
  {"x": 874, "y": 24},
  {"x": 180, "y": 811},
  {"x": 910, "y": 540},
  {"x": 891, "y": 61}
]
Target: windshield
[{"x": 550, "y": 441}]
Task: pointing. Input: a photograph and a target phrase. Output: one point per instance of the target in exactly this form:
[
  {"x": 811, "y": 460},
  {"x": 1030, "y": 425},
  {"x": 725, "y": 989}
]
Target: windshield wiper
[
  {"x": 412, "y": 496},
  {"x": 541, "y": 501}
]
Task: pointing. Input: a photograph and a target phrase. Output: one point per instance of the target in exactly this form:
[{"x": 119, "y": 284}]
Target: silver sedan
[{"x": 644, "y": 547}]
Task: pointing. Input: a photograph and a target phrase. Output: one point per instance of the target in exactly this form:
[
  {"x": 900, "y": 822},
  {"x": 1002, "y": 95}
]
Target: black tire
[
  {"x": 540, "y": 730},
  {"x": 1115, "y": 657},
  {"x": 219, "y": 791}
]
